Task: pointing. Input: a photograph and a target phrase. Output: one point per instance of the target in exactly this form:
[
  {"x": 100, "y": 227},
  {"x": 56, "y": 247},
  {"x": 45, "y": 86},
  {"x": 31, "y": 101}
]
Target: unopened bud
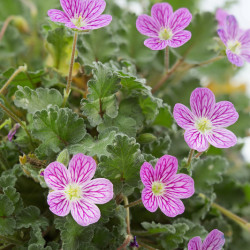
[
  {"x": 63, "y": 157},
  {"x": 146, "y": 138}
]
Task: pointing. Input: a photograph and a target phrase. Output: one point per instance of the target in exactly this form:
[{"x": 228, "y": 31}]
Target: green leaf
[
  {"x": 208, "y": 172},
  {"x": 155, "y": 228},
  {"x": 164, "y": 118},
  {"x": 57, "y": 129},
  {"x": 7, "y": 226},
  {"x": 37, "y": 100},
  {"x": 123, "y": 164},
  {"x": 12, "y": 194},
  {"x": 6, "y": 206}
]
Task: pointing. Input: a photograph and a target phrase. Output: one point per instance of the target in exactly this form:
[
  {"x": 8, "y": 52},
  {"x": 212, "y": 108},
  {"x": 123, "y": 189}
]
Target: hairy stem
[
  {"x": 5, "y": 25},
  {"x": 145, "y": 245},
  {"x": 17, "y": 71},
  {"x": 190, "y": 156},
  {"x": 166, "y": 60},
  {"x": 199, "y": 154},
  {"x": 132, "y": 204},
  {"x": 125, "y": 243},
  {"x": 125, "y": 198}
]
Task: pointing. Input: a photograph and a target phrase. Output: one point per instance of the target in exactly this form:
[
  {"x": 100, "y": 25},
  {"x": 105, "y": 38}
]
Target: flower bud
[
  {"x": 146, "y": 138},
  {"x": 63, "y": 157}
]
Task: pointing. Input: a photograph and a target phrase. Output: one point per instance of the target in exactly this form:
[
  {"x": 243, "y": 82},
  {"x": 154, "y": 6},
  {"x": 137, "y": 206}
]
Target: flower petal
[
  {"x": 58, "y": 16},
  {"x": 196, "y": 140},
  {"x": 165, "y": 167},
  {"x": 82, "y": 168},
  {"x": 234, "y": 59},
  {"x": 180, "y": 186},
  {"x": 73, "y": 8},
  {"x": 147, "y": 26},
  {"x": 245, "y": 39},
  {"x": 180, "y": 19},
  {"x": 224, "y": 114},
  {"x": 221, "y": 138},
  {"x": 179, "y": 38},
  {"x": 183, "y": 116},
  {"x": 98, "y": 191},
  {"x": 149, "y": 200},
  {"x": 56, "y": 176},
  {"x": 195, "y": 243},
  {"x": 155, "y": 43},
  {"x": 202, "y": 102},
  {"x": 161, "y": 12},
  {"x": 147, "y": 174},
  {"x": 93, "y": 9},
  {"x": 221, "y": 16},
  {"x": 58, "y": 203},
  {"x": 215, "y": 240},
  {"x": 232, "y": 27},
  {"x": 245, "y": 54},
  {"x": 223, "y": 36},
  {"x": 170, "y": 206},
  {"x": 98, "y": 22},
  {"x": 85, "y": 213}
]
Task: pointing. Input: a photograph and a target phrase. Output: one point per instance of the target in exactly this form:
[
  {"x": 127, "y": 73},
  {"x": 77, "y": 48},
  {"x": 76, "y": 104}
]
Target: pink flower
[
  {"x": 206, "y": 123},
  {"x": 221, "y": 17},
  {"x": 81, "y": 14},
  {"x": 165, "y": 188},
  {"x": 13, "y": 131},
  {"x": 74, "y": 191},
  {"x": 237, "y": 42},
  {"x": 214, "y": 241},
  {"x": 165, "y": 28}
]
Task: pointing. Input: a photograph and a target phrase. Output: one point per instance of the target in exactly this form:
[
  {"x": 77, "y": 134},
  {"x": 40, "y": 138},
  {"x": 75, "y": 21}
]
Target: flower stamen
[
  {"x": 79, "y": 21},
  {"x": 73, "y": 192},
  {"x": 234, "y": 46},
  {"x": 158, "y": 188},
  {"x": 203, "y": 125},
  {"x": 165, "y": 34}
]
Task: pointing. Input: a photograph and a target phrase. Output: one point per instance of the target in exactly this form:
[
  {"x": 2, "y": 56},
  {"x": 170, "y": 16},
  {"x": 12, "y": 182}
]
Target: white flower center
[
  {"x": 73, "y": 192},
  {"x": 203, "y": 125},
  {"x": 165, "y": 34},
  {"x": 234, "y": 46},
  {"x": 158, "y": 188},
  {"x": 79, "y": 21}
]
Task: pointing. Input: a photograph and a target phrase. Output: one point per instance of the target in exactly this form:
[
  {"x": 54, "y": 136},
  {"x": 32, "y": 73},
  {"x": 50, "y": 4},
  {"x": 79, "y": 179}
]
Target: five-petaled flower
[
  {"x": 165, "y": 27},
  {"x": 214, "y": 240},
  {"x": 165, "y": 188},
  {"x": 81, "y": 14},
  {"x": 206, "y": 123},
  {"x": 237, "y": 41},
  {"x": 73, "y": 190}
]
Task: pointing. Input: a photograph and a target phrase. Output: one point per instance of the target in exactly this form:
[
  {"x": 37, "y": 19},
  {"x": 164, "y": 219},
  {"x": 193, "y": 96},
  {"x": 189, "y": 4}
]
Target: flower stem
[
  {"x": 166, "y": 60},
  {"x": 199, "y": 154},
  {"x": 125, "y": 198},
  {"x": 17, "y": 71},
  {"x": 125, "y": 243},
  {"x": 243, "y": 223},
  {"x": 167, "y": 75},
  {"x": 5, "y": 25},
  {"x": 145, "y": 245},
  {"x": 132, "y": 204},
  {"x": 6, "y": 122},
  {"x": 190, "y": 156},
  {"x": 16, "y": 119},
  {"x": 68, "y": 87}
]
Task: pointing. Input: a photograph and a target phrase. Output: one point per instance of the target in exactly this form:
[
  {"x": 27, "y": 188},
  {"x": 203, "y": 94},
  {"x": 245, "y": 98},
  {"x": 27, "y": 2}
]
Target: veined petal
[
  {"x": 81, "y": 168},
  {"x": 73, "y": 8},
  {"x": 183, "y": 116},
  {"x": 223, "y": 36},
  {"x": 195, "y": 243},
  {"x": 58, "y": 203},
  {"x": 155, "y": 43},
  {"x": 245, "y": 54},
  {"x": 92, "y": 9},
  {"x": 196, "y": 140},
  {"x": 235, "y": 59},
  {"x": 232, "y": 27},
  {"x": 98, "y": 22},
  {"x": 170, "y": 206},
  {"x": 58, "y": 16},
  {"x": 215, "y": 240},
  {"x": 221, "y": 138},
  {"x": 147, "y": 26},
  {"x": 147, "y": 174},
  {"x": 180, "y": 19},
  {"x": 221, "y": 16},
  {"x": 179, "y": 38},
  {"x": 180, "y": 186},
  {"x": 161, "y": 12},
  {"x": 85, "y": 213},
  {"x": 245, "y": 40},
  {"x": 165, "y": 168},
  {"x": 56, "y": 176},
  {"x": 98, "y": 191},
  {"x": 224, "y": 114},
  {"x": 202, "y": 102},
  {"x": 149, "y": 200}
]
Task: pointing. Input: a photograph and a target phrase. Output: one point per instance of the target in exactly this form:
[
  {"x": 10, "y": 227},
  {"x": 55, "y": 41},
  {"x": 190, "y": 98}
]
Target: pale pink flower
[
  {"x": 81, "y": 14},
  {"x": 205, "y": 123},
  {"x": 74, "y": 191},
  {"x": 221, "y": 17},
  {"x": 164, "y": 188},
  {"x": 214, "y": 241},
  {"x": 165, "y": 27}
]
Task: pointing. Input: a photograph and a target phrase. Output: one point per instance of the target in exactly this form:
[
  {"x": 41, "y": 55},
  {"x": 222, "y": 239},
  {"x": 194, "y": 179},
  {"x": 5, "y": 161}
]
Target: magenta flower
[
  {"x": 237, "y": 42},
  {"x": 81, "y": 14},
  {"x": 221, "y": 17},
  {"x": 206, "y": 123},
  {"x": 214, "y": 241},
  {"x": 165, "y": 188},
  {"x": 13, "y": 131},
  {"x": 165, "y": 28},
  {"x": 74, "y": 191}
]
